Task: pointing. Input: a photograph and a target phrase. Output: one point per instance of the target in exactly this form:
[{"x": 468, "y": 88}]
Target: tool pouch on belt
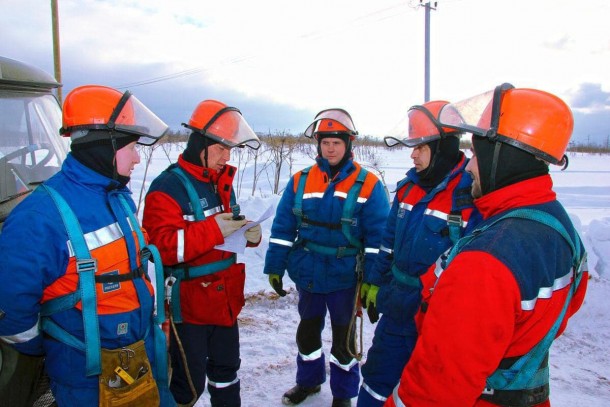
[{"x": 126, "y": 378}]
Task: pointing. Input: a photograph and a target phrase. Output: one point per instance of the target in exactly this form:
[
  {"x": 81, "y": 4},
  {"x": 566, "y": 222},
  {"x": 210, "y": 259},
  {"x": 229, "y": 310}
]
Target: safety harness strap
[
  {"x": 146, "y": 253},
  {"x": 86, "y": 268},
  {"x": 346, "y": 218},
  {"x": 297, "y": 210},
  {"x": 331, "y": 251},
  {"x": 190, "y": 190},
  {"x": 462, "y": 198},
  {"x": 350, "y": 205},
  {"x": 529, "y": 372},
  {"x": 405, "y": 278}
]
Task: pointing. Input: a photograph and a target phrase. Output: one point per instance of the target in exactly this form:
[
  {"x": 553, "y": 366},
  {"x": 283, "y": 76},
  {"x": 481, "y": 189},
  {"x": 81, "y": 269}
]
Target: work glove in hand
[
  {"x": 370, "y": 303},
  {"x": 253, "y": 235},
  {"x": 364, "y": 289},
  {"x": 276, "y": 283},
  {"x": 227, "y": 225}
]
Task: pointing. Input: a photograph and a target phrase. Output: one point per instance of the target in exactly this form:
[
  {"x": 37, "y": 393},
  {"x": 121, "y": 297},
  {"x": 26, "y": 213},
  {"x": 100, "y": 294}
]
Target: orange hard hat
[
  {"x": 535, "y": 121},
  {"x": 95, "y": 107},
  {"x": 332, "y": 122},
  {"x": 223, "y": 124},
  {"x": 529, "y": 119},
  {"x": 423, "y": 126}
]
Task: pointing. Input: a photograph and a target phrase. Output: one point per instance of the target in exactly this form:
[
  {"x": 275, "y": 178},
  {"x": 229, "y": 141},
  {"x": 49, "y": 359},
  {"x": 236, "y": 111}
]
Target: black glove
[
  {"x": 371, "y": 311},
  {"x": 368, "y": 297},
  {"x": 276, "y": 283}
]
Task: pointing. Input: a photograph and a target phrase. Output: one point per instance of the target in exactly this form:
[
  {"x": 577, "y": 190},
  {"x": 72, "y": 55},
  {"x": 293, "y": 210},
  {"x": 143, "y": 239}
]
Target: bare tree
[{"x": 281, "y": 146}]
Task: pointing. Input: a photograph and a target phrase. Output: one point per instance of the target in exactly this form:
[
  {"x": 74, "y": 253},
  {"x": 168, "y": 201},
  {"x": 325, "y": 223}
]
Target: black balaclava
[
  {"x": 95, "y": 151},
  {"x": 334, "y": 169},
  {"x": 196, "y": 144},
  {"x": 512, "y": 164},
  {"x": 444, "y": 155}
]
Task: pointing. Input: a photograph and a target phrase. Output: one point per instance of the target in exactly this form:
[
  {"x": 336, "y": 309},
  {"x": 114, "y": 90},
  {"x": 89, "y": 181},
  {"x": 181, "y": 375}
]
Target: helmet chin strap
[
  {"x": 115, "y": 171},
  {"x": 494, "y": 166},
  {"x": 205, "y": 152}
]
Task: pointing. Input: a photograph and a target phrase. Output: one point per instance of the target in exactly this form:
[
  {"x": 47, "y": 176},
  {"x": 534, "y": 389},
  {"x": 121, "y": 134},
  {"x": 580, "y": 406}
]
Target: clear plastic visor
[
  {"x": 337, "y": 115},
  {"x": 137, "y": 119},
  {"x": 232, "y": 130},
  {"x": 414, "y": 129},
  {"x": 472, "y": 115}
]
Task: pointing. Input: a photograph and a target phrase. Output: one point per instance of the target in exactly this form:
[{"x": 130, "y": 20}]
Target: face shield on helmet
[
  {"x": 95, "y": 107},
  {"x": 223, "y": 124},
  {"x": 331, "y": 122},
  {"x": 421, "y": 126},
  {"x": 531, "y": 120}
]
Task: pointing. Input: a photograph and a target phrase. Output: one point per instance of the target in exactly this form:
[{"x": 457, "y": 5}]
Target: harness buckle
[
  {"x": 350, "y": 221},
  {"x": 341, "y": 251},
  {"x": 454, "y": 219},
  {"x": 85, "y": 265},
  {"x": 169, "y": 282},
  {"x": 145, "y": 254}
]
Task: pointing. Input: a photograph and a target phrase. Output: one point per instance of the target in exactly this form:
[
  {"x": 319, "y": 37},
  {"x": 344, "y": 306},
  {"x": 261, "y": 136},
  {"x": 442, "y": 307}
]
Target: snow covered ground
[{"x": 580, "y": 360}]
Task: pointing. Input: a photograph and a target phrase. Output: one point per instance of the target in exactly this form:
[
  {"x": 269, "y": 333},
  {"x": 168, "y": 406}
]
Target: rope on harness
[
  {"x": 351, "y": 339},
  {"x": 168, "y": 287}
]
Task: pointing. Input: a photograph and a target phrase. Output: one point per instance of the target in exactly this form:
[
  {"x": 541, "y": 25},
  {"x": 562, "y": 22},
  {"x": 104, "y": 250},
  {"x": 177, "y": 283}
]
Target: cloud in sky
[
  {"x": 591, "y": 96},
  {"x": 281, "y": 62}
]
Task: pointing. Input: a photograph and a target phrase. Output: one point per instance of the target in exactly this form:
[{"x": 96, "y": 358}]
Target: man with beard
[{"x": 507, "y": 289}]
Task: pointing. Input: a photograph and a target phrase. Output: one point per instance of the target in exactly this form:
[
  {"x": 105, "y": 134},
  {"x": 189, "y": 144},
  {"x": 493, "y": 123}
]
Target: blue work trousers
[
  {"x": 391, "y": 349},
  {"x": 211, "y": 351},
  {"x": 344, "y": 368}
]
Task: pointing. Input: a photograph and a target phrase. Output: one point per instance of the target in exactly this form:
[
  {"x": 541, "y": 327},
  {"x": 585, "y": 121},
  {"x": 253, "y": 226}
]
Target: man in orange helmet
[
  {"x": 432, "y": 208},
  {"x": 326, "y": 233},
  {"x": 74, "y": 262},
  {"x": 489, "y": 318},
  {"x": 190, "y": 209}
]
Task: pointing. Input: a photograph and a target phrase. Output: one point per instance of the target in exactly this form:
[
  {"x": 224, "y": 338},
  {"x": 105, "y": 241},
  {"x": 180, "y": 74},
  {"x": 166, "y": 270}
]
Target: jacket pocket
[{"x": 216, "y": 299}]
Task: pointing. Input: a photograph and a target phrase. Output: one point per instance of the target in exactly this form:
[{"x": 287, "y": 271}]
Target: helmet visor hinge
[{"x": 117, "y": 110}]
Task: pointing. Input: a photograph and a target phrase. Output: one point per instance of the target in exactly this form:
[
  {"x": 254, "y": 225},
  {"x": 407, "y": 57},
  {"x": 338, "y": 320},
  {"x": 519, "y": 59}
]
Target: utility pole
[
  {"x": 56, "y": 52},
  {"x": 428, "y": 6}
]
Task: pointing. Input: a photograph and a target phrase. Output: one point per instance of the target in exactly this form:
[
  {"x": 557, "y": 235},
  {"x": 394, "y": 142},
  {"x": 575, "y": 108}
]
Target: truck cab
[{"x": 31, "y": 149}]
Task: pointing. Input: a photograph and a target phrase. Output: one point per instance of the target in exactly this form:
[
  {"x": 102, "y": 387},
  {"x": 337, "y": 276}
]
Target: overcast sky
[{"x": 280, "y": 62}]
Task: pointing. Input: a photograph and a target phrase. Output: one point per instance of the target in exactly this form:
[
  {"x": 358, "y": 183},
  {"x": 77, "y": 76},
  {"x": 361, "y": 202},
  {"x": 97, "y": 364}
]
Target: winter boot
[
  {"x": 341, "y": 402},
  {"x": 297, "y": 394}
]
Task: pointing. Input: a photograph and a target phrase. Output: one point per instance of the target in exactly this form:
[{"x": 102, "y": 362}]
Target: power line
[{"x": 377, "y": 15}]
